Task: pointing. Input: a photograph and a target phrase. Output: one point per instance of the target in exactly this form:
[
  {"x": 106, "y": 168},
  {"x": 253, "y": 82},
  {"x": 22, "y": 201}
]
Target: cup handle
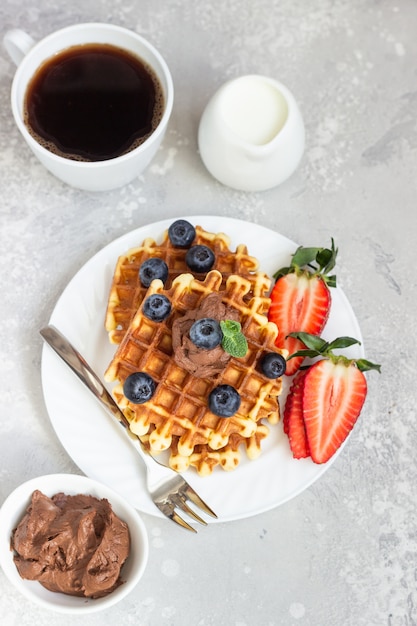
[{"x": 17, "y": 44}]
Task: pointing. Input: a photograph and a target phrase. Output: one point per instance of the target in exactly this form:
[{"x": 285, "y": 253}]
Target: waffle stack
[
  {"x": 204, "y": 459},
  {"x": 127, "y": 293},
  {"x": 177, "y": 417}
]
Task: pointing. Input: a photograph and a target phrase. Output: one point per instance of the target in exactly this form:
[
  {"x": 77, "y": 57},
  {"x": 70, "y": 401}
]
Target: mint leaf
[
  {"x": 236, "y": 345},
  {"x": 230, "y": 327},
  {"x": 234, "y": 341}
]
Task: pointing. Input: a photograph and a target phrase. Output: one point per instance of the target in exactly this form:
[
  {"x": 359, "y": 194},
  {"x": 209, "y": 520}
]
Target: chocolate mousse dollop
[
  {"x": 72, "y": 544},
  {"x": 201, "y": 362}
]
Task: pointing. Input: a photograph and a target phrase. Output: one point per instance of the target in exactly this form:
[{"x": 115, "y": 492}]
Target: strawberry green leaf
[
  {"x": 313, "y": 342},
  {"x": 326, "y": 259},
  {"x": 342, "y": 342},
  {"x": 304, "y": 353},
  {"x": 316, "y": 346},
  {"x": 316, "y": 260},
  {"x": 363, "y": 365},
  {"x": 305, "y": 256},
  {"x": 283, "y": 272},
  {"x": 331, "y": 280}
]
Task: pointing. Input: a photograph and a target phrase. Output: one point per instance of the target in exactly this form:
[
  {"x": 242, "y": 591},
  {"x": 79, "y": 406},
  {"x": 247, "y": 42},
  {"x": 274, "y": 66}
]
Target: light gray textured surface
[{"x": 344, "y": 552}]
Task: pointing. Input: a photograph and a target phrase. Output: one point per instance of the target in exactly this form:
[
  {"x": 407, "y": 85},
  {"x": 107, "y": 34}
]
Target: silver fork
[{"x": 168, "y": 489}]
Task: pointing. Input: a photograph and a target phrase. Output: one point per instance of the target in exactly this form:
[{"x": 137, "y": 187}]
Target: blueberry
[
  {"x": 206, "y": 333},
  {"x": 200, "y": 258},
  {"x": 156, "y": 307},
  {"x": 139, "y": 387},
  {"x": 181, "y": 234},
  {"x": 273, "y": 365},
  {"x": 153, "y": 268},
  {"x": 224, "y": 401}
]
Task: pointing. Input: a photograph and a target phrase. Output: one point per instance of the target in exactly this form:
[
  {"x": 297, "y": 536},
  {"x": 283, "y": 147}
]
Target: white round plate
[{"x": 96, "y": 442}]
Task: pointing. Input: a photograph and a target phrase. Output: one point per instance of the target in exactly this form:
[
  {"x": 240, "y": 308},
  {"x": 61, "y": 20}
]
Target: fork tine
[
  {"x": 176, "y": 518},
  {"x": 181, "y": 504},
  {"x": 194, "y": 497}
]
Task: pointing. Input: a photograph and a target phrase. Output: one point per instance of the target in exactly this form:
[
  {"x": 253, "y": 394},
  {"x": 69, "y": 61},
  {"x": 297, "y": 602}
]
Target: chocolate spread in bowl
[
  {"x": 72, "y": 544},
  {"x": 198, "y": 361}
]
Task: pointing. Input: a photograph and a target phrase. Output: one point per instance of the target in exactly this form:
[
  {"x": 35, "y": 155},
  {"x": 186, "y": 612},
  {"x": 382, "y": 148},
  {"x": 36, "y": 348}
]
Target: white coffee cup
[
  {"x": 251, "y": 134},
  {"x": 91, "y": 175}
]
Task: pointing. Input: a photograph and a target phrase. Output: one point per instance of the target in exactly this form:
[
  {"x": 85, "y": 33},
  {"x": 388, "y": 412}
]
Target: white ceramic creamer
[{"x": 251, "y": 134}]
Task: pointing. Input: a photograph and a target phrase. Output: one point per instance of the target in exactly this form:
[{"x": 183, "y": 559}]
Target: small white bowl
[{"x": 12, "y": 512}]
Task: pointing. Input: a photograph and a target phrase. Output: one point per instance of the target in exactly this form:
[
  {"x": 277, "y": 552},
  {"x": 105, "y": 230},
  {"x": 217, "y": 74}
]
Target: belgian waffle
[
  {"x": 204, "y": 459},
  {"x": 127, "y": 292},
  {"x": 177, "y": 416}
]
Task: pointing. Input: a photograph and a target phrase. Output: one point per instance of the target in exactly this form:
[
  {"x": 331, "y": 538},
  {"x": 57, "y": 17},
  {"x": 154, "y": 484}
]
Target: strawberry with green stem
[
  {"x": 301, "y": 299},
  {"x": 326, "y": 398}
]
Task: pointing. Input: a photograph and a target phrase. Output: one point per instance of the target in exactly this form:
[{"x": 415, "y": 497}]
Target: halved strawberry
[
  {"x": 332, "y": 395},
  {"x": 301, "y": 299},
  {"x": 300, "y": 302},
  {"x": 293, "y": 420}
]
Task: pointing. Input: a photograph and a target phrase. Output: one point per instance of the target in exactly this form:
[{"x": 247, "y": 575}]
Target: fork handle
[{"x": 82, "y": 369}]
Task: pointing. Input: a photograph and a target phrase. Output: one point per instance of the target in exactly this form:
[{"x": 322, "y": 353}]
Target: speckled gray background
[{"x": 344, "y": 552}]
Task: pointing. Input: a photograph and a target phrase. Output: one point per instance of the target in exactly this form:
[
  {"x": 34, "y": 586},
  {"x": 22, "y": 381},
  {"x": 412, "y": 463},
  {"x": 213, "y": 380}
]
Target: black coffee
[{"x": 93, "y": 102}]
